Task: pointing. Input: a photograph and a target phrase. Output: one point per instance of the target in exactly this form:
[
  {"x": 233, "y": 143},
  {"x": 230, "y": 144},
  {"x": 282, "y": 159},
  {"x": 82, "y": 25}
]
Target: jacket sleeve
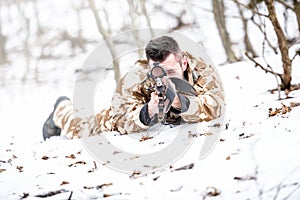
[
  {"x": 209, "y": 102},
  {"x": 127, "y": 103}
]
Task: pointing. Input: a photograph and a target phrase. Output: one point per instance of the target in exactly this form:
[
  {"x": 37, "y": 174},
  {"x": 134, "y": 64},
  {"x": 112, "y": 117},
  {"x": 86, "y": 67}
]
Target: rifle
[
  {"x": 156, "y": 74},
  {"x": 164, "y": 92}
]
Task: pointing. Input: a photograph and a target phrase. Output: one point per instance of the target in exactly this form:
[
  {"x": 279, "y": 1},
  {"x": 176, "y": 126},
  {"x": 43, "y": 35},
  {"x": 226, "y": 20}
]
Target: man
[{"x": 134, "y": 105}]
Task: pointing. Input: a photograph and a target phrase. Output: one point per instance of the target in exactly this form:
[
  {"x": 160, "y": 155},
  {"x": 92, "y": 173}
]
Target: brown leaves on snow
[{"x": 283, "y": 110}]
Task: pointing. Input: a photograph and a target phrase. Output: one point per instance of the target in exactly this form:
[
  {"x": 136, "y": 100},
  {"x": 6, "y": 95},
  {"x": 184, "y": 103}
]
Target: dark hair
[{"x": 158, "y": 49}]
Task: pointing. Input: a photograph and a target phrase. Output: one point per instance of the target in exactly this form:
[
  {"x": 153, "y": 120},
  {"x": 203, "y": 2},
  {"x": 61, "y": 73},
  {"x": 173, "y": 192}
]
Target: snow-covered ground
[{"x": 256, "y": 157}]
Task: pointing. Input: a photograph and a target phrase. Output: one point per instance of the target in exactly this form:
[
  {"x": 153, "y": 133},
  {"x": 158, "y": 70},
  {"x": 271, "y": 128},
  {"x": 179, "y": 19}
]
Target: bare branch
[
  {"x": 262, "y": 67},
  {"x": 259, "y": 26},
  {"x": 249, "y": 8},
  {"x": 286, "y": 5},
  {"x": 105, "y": 34}
]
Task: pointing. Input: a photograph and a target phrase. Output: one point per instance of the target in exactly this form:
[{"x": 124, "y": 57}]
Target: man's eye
[{"x": 170, "y": 71}]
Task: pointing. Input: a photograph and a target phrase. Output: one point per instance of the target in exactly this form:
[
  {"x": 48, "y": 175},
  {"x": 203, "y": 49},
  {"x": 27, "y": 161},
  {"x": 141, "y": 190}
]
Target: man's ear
[{"x": 184, "y": 63}]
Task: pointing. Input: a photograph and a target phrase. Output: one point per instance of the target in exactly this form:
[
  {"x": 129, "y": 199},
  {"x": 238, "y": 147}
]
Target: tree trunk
[
  {"x": 133, "y": 17},
  {"x": 144, "y": 11},
  {"x": 219, "y": 10},
  {"x": 297, "y": 12},
  {"x": 109, "y": 42},
  {"x": 247, "y": 42},
  {"x": 283, "y": 46},
  {"x": 3, "y": 56}
]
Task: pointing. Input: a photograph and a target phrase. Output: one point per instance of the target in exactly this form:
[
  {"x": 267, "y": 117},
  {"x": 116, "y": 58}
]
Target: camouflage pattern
[{"x": 133, "y": 92}]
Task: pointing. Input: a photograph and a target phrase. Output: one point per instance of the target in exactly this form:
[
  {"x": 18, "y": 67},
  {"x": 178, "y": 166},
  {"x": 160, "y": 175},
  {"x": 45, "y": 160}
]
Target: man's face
[{"x": 173, "y": 65}]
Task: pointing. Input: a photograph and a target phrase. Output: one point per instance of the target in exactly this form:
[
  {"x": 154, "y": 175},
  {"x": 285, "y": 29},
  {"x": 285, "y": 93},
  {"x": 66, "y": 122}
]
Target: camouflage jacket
[{"x": 132, "y": 93}]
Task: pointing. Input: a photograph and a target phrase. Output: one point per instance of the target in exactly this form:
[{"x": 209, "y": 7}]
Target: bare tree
[
  {"x": 144, "y": 11},
  {"x": 286, "y": 77},
  {"x": 295, "y": 7},
  {"x": 106, "y": 38},
  {"x": 283, "y": 45},
  {"x": 133, "y": 16},
  {"x": 219, "y": 14},
  {"x": 247, "y": 42},
  {"x": 3, "y": 56}
]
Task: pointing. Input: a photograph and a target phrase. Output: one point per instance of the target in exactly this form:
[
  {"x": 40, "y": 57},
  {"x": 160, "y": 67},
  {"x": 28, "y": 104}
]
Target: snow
[
  {"x": 257, "y": 156},
  {"x": 254, "y": 145}
]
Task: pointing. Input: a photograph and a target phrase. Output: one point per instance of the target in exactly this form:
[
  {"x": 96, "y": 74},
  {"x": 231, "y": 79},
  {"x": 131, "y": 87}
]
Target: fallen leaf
[
  {"x": 2, "y": 170},
  {"x": 25, "y": 195},
  {"x": 76, "y": 163},
  {"x": 212, "y": 191},
  {"x": 45, "y": 158},
  {"x": 20, "y": 168},
  {"x": 285, "y": 109},
  {"x": 51, "y": 193},
  {"x": 64, "y": 183},
  {"x": 72, "y": 156},
  {"x": 116, "y": 152},
  {"x": 186, "y": 167},
  {"x": 177, "y": 189},
  {"x": 103, "y": 185},
  {"x": 88, "y": 187},
  {"x": 228, "y": 158},
  {"x": 134, "y": 157},
  {"x": 245, "y": 178},
  {"x": 135, "y": 174},
  {"x": 273, "y": 113},
  {"x": 79, "y": 152},
  {"x": 144, "y": 138}
]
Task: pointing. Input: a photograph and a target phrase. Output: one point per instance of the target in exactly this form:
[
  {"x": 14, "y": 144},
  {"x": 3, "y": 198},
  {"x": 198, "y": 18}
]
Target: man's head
[{"x": 166, "y": 51}]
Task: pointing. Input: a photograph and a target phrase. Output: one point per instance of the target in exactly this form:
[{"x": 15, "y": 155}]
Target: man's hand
[{"x": 153, "y": 105}]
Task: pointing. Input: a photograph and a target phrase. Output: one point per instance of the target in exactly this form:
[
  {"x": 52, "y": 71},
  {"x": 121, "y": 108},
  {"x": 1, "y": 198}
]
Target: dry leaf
[
  {"x": 283, "y": 110},
  {"x": 45, "y": 158},
  {"x": 88, "y": 187},
  {"x": 64, "y": 183},
  {"x": 72, "y": 156},
  {"x": 135, "y": 174},
  {"x": 134, "y": 157},
  {"x": 116, "y": 152},
  {"x": 186, "y": 167},
  {"x": 212, "y": 191},
  {"x": 76, "y": 163},
  {"x": 2, "y": 170},
  {"x": 103, "y": 185},
  {"x": 20, "y": 168},
  {"x": 273, "y": 113},
  {"x": 228, "y": 158},
  {"x": 245, "y": 178},
  {"x": 144, "y": 138},
  {"x": 25, "y": 195}
]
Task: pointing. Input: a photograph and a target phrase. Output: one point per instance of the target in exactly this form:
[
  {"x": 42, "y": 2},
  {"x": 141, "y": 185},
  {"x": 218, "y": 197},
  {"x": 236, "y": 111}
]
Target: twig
[
  {"x": 286, "y": 5},
  {"x": 290, "y": 194},
  {"x": 262, "y": 67},
  {"x": 253, "y": 10}
]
